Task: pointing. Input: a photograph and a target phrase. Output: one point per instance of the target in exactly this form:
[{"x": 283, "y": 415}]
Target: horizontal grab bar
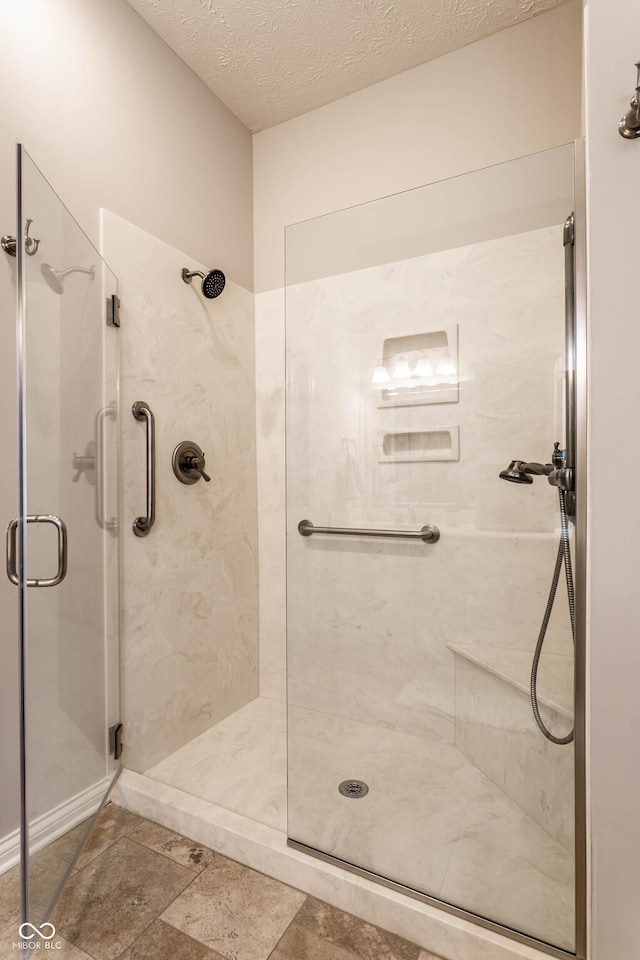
[{"x": 428, "y": 534}]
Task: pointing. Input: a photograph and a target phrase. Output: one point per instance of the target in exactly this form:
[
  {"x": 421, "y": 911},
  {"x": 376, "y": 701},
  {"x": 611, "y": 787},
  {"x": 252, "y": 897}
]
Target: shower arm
[
  {"x": 187, "y": 275},
  {"x": 89, "y": 271}
]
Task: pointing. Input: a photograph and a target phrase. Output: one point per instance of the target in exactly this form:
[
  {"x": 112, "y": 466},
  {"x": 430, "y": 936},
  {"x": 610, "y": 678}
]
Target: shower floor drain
[{"x": 353, "y": 789}]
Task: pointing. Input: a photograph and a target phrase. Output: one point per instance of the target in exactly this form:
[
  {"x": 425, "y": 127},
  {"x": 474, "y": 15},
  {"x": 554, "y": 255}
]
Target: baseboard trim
[{"x": 54, "y": 823}]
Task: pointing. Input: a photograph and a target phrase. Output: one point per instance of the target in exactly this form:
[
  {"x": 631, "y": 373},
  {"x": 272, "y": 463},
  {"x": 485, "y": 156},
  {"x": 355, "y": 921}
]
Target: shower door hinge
[
  {"x": 115, "y": 741},
  {"x": 569, "y": 234},
  {"x": 113, "y": 311}
]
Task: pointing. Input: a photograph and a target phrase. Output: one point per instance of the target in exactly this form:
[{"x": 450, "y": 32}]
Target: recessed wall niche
[
  {"x": 415, "y": 446},
  {"x": 418, "y": 369}
]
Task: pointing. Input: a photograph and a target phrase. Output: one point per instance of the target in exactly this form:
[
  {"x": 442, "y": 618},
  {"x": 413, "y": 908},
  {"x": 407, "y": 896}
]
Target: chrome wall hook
[
  {"x": 30, "y": 243},
  {"x": 629, "y": 126},
  {"x": 8, "y": 243}
]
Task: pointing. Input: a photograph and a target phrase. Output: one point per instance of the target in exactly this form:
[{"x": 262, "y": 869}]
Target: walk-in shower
[
  {"x": 430, "y": 338},
  {"x": 425, "y": 348}
]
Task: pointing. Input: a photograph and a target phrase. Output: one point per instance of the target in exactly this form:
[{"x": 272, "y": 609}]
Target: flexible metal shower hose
[{"x": 564, "y": 555}]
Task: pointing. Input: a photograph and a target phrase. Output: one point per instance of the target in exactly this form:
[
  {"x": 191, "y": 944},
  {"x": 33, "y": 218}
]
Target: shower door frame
[
  {"x": 114, "y": 765},
  {"x": 582, "y": 864}
]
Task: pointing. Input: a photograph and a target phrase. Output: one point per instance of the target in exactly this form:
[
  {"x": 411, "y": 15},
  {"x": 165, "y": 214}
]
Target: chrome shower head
[
  {"x": 56, "y": 278},
  {"x": 52, "y": 278},
  {"x": 515, "y": 473},
  {"x": 212, "y": 282}
]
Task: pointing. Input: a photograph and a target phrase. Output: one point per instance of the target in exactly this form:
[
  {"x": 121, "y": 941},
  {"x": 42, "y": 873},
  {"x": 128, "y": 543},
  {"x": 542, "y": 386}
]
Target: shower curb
[{"x": 265, "y": 849}]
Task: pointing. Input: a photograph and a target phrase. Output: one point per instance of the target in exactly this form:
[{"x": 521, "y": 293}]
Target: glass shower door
[
  {"x": 425, "y": 352},
  {"x": 63, "y": 547}
]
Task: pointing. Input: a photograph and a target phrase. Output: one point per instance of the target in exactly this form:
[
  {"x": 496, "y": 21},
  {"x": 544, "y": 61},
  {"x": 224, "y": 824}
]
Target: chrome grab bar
[
  {"x": 108, "y": 412},
  {"x": 12, "y": 571},
  {"x": 428, "y": 534},
  {"x": 142, "y": 525}
]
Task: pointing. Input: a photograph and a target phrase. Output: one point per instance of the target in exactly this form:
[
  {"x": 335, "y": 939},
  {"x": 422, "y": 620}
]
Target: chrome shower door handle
[
  {"x": 108, "y": 412},
  {"x": 142, "y": 525},
  {"x": 12, "y": 570}
]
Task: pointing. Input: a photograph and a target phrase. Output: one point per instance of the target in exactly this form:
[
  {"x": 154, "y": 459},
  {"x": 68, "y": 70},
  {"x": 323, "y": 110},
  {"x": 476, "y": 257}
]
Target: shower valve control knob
[
  {"x": 193, "y": 463},
  {"x": 189, "y": 462}
]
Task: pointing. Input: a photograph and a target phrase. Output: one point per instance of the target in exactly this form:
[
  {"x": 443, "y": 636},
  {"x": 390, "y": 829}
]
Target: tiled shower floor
[
  {"x": 142, "y": 892},
  {"x": 431, "y": 820}
]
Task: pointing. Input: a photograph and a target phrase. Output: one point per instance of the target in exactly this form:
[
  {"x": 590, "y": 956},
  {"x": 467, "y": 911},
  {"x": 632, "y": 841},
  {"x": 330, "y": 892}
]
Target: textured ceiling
[{"x": 270, "y": 60}]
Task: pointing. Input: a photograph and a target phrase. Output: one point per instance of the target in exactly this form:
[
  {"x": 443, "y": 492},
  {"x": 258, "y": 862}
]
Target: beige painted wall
[
  {"x": 113, "y": 115},
  {"x": 115, "y": 119},
  {"x": 509, "y": 95},
  {"x": 512, "y": 94},
  {"x": 613, "y": 30}
]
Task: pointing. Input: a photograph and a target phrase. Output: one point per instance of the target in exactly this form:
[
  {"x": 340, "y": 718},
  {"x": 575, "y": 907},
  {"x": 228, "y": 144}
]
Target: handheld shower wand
[
  {"x": 556, "y": 472},
  {"x": 561, "y": 471},
  {"x": 561, "y": 477}
]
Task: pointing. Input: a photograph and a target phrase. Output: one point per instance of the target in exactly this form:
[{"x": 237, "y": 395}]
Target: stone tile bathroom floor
[
  {"x": 142, "y": 892},
  {"x": 456, "y": 834}
]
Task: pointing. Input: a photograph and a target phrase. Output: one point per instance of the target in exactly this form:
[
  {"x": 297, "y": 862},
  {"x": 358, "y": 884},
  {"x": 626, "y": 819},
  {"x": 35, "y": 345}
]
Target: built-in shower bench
[
  {"x": 555, "y": 674},
  {"x": 496, "y": 731}
]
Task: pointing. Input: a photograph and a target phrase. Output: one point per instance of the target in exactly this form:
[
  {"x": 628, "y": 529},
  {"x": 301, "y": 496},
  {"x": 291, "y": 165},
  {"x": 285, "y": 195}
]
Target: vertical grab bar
[
  {"x": 142, "y": 525},
  {"x": 109, "y": 412}
]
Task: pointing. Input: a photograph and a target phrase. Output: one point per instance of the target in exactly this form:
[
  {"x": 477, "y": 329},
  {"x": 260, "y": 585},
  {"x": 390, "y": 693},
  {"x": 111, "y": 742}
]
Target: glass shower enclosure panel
[
  {"x": 425, "y": 337},
  {"x": 64, "y": 543}
]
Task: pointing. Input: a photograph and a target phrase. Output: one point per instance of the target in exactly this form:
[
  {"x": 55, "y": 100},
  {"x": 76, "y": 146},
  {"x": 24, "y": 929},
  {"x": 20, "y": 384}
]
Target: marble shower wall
[
  {"x": 486, "y": 580},
  {"x": 272, "y": 504},
  {"x": 190, "y": 588}
]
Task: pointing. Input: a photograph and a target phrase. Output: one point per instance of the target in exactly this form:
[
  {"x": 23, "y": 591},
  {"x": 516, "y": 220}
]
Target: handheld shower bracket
[{"x": 557, "y": 473}]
